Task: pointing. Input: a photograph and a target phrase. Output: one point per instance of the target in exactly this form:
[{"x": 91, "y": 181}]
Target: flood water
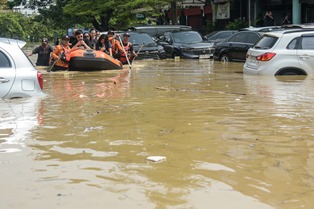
[{"x": 230, "y": 141}]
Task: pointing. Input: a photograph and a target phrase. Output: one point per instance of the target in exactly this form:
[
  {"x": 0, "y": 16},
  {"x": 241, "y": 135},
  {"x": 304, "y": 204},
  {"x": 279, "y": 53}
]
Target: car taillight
[
  {"x": 40, "y": 80},
  {"x": 265, "y": 57}
]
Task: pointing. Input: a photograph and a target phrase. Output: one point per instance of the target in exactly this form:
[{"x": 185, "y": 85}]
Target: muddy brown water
[{"x": 230, "y": 141}]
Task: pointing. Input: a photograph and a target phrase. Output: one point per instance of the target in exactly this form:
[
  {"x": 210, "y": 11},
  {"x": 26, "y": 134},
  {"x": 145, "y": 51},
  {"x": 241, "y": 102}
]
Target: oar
[
  {"x": 127, "y": 59},
  {"x": 53, "y": 65},
  {"x": 138, "y": 52}
]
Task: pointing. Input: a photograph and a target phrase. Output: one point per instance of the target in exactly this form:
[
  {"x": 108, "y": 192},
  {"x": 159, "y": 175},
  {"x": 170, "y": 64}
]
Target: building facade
[{"x": 197, "y": 13}]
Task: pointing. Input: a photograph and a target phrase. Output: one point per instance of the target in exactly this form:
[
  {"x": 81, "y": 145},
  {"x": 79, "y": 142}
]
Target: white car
[
  {"x": 18, "y": 76},
  {"x": 286, "y": 52}
]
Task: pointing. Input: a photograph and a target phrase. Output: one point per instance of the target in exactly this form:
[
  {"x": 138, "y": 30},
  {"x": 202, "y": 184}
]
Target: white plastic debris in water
[{"x": 156, "y": 158}]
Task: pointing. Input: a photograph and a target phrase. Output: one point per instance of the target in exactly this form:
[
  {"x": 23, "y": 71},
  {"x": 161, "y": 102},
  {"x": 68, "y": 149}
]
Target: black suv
[
  {"x": 149, "y": 49},
  {"x": 186, "y": 44},
  {"x": 236, "y": 47}
]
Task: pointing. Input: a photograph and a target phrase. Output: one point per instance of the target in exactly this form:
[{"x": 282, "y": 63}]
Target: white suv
[{"x": 286, "y": 52}]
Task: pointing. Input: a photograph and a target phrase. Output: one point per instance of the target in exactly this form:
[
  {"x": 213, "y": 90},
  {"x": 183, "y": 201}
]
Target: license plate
[{"x": 204, "y": 56}]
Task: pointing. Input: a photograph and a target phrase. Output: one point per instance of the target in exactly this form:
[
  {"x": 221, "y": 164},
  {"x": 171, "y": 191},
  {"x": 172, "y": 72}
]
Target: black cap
[
  {"x": 111, "y": 32},
  {"x": 126, "y": 34},
  {"x": 44, "y": 40},
  {"x": 65, "y": 38}
]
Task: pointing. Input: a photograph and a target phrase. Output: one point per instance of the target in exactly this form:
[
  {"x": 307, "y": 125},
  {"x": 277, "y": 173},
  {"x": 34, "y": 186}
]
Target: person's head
[
  {"x": 44, "y": 42},
  {"x": 73, "y": 33},
  {"x": 97, "y": 33},
  {"x": 92, "y": 33},
  {"x": 270, "y": 13},
  {"x": 86, "y": 35},
  {"x": 110, "y": 33},
  {"x": 79, "y": 35},
  {"x": 126, "y": 36},
  {"x": 65, "y": 40}
]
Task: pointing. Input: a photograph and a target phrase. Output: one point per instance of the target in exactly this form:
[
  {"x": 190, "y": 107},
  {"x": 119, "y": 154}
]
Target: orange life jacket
[
  {"x": 123, "y": 58},
  {"x": 57, "y": 53}
]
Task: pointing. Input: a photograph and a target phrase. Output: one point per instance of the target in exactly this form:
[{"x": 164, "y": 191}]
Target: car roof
[
  {"x": 161, "y": 26},
  {"x": 261, "y": 29},
  {"x": 290, "y": 31},
  {"x": 17, "y": 42}
]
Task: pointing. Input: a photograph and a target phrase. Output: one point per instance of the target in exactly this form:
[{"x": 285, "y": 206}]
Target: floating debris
[{"x": 156, "y": 159}]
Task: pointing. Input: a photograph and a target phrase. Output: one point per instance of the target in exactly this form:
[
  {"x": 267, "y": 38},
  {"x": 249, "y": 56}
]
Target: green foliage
[
  {"x": 16, "y": 25},
  {"x": 237, "y": 24}
]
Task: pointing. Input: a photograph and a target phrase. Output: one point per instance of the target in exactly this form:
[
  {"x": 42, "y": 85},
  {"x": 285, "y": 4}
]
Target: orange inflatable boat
[{"x": 91, "y": 60}]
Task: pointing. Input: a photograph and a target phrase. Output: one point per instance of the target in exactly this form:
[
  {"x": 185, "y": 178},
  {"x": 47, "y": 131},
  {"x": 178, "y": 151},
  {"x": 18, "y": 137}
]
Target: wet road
[{"x": 230, "y": 141}]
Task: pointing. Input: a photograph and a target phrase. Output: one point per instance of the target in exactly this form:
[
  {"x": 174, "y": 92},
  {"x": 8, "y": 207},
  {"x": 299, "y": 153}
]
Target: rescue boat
[{"x": 91, "y": 60}]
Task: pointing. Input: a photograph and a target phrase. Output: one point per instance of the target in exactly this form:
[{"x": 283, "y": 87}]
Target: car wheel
[
  {"x": 174, "y": 55},
  {"x": 224, "y": 58},
  {"x": 291, "y": 71}
]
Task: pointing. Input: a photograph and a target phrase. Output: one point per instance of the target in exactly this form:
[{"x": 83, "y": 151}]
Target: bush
[{"x": 237, "y": 24}]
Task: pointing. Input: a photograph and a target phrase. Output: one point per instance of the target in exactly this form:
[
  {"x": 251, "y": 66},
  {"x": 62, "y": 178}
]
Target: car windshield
[
  {"x": 187, "y": 37},
  {"x": 266, "y": 42},
  {"x": 139, "y": 39}
]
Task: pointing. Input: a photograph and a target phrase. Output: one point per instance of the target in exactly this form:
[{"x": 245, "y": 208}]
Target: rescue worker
[
  {"x": 129, "y": 51},
  {"x": 58, "y": 59},
  {"x": 117, "y": 49}
]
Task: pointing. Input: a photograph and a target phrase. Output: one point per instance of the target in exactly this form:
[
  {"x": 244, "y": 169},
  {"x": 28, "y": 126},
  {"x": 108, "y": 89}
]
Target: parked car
[
  {"x": 236, "y": 47},
  {"x": 186, "y": 44},
  {"x": 262, "y": 29},
  {"x": 289, "y": 52},
  {"x": 218, "y": 36},
  {"x": 149, "y": 49},
  {"x": 19, "y": 77},
  {"x": 158, "y": 30}
]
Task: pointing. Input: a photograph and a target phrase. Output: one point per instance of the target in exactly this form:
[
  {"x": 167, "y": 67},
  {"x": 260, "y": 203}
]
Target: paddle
[
  {"x": 127, "y": 59},
  {"x": 53, "y": 65},
  {"x": 138, "y": 52}
]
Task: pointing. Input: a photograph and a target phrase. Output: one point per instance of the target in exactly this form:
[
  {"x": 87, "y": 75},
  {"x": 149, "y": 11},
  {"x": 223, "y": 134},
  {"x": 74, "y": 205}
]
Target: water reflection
[{"x": 231, "y": 141}]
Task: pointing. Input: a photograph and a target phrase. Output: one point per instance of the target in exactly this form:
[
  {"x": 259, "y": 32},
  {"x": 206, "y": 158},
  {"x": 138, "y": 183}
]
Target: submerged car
[
  {"x": 146, "y": 47},
  {"x": 218, "y": 36},
  {"x": 236, "y": 47},
  {"x": 19, "y": 77},
  {"x": 186, "y": 44},
  {"x": 289, "y": 52}
]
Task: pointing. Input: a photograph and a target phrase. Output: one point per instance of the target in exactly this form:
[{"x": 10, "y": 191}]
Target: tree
[{"x": 115, "y": 13}]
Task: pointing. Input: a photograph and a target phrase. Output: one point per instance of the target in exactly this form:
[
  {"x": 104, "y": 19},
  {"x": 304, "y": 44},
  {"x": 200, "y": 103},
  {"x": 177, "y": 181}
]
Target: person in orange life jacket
[
  {"x": 43, "y": 52},
  {"x": 128, "y": 47},
  {"x": 58, "y": 55},
  {"x": 104, "y": 45},
  {"x": 80, "y": 42},
  {"x": 116, "y": 46}
]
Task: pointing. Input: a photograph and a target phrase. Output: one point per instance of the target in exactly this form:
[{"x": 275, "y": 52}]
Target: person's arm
[
  {"x": 35, "y": 51},
  {"x": 119, "y": 47},
  {"x": 55, "y": 54},
  {"x": 132, "y": 50}
]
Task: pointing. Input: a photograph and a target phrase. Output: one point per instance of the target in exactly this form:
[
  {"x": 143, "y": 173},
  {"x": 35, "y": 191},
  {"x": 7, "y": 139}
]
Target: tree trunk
[{"x": 174, "y": 19}]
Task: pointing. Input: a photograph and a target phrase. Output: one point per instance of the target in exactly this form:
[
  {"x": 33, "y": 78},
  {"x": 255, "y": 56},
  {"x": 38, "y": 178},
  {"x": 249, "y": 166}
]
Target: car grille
[
  {"x": 199, "y": 51},
  {"x": 148, "y": 55}
]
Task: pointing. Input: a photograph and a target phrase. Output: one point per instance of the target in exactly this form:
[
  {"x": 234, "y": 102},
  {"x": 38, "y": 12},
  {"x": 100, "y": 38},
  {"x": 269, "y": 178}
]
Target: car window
[
  {"x": 251, "y": 38},
  {"x": 4, "y": 61},
  {"x": 212, "y": 36},
  {"x": 225, "y": 35},
  {"x": 266, "y": 42},
  {"x": 307, "y": 43},
  {"x": 187, "y": 37},
  {"x": 240, "y": 37},
  {"x": 293, "y": 44},
  {"x": 139, "y": 39}
]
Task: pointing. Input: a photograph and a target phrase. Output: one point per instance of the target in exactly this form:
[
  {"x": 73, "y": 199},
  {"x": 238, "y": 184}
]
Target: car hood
[
  {"x": 145, "y": 48},
  {"x": 195, "y": 45}
]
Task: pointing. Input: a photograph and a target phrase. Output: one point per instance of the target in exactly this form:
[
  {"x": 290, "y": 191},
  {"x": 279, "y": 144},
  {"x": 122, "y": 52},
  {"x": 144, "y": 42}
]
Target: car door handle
[
  {"x": 305, "y": 56},
  {"x": 3, "y": 80}
]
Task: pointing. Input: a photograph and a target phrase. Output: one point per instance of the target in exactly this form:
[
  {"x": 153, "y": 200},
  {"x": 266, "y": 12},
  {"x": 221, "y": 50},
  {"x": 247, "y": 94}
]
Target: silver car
[
  {"x": 18, "y": 76},
  {"x": 287, "y": 52}
]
